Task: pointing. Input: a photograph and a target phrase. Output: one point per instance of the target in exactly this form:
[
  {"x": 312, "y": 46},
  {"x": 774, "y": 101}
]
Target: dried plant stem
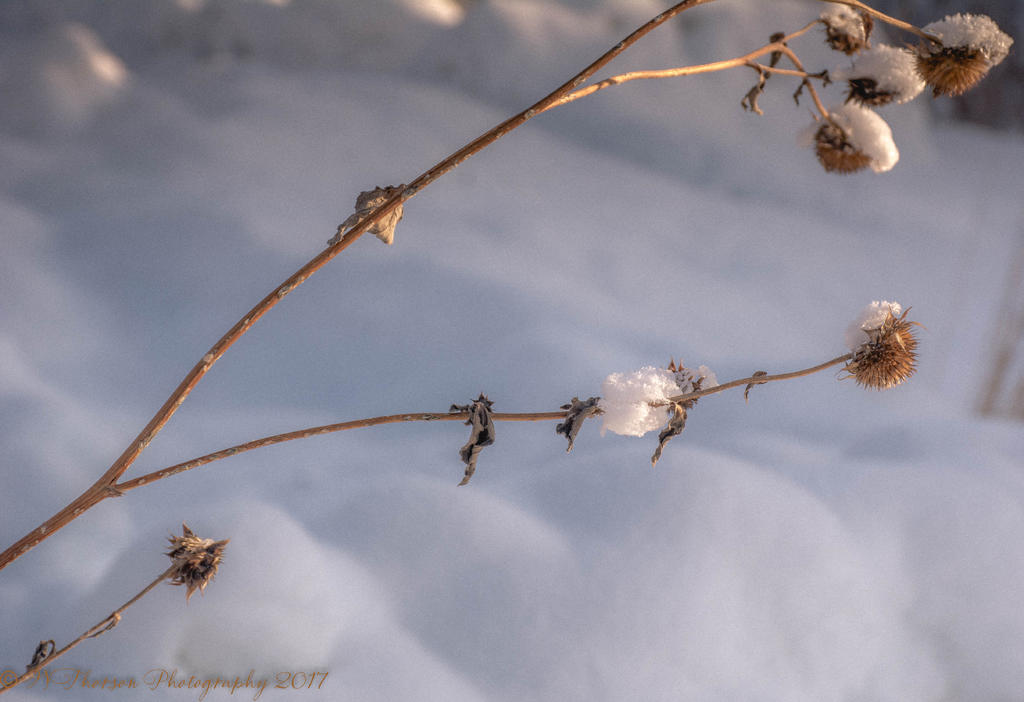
[
  {"x": 905, "y": 26},
  {"x": 759, "y": 380},
  {"x": 310, "y": 432},
  {"x": 104, "y": 487},
  {"x": 778, "y": 46},
  {"x": 105, "y": 625},
  {"x": 329, "y": 429}
]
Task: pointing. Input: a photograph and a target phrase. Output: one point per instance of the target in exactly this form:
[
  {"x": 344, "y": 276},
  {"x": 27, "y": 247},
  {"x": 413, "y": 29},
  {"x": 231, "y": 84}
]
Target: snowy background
[{"x": 165, "y": 165}]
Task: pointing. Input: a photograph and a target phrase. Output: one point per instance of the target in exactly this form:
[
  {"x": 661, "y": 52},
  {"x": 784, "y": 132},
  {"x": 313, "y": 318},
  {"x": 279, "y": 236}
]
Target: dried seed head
[
  {"x": 195, "y": 560},
  {"x": 971, "y": 45},
  {"x": 846, "y": 29},
  {"x": 853, "y": 138},
  {"x": 865, "y": 91},
  {"x": 889, "y": 355},
  {"x": 952, "y": 71},
  {"x": 836, "y": 152},
  {"x": 880, "y": 76}
]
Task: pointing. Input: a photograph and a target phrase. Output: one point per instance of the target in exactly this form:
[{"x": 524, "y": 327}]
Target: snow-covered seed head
[
  {"x": 885, "y": 354},
  {"x": 971, "y": 45},
  {"x": 882, "y": 75},
  {"x": 854, "y": 138},
  {"x": 846, "y": 29},
  {"x": 195, "y": 560}
]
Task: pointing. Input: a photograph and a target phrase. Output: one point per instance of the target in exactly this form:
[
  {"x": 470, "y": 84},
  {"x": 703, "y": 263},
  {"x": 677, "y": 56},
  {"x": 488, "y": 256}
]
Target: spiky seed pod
[
  {"x": 953, "y": 70},
  {"x": 852, "y": 138},
  {"x": 836, "y": 152},
  {"x": 889, "y": 356},
  {"x": 971, "y": 45},
  {"x": 865, "y": 91},
  {"x": 195, "y": 559},
  {"x": 846, "y": 29}
]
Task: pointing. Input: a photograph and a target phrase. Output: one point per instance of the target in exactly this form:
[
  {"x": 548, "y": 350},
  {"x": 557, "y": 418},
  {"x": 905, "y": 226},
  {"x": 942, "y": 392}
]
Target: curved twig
[
  {"x": 105, "y": 625},
  {"x": 99, "y": 491}
]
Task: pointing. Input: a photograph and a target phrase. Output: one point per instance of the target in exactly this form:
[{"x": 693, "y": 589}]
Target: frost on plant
[
  {"x": 971, "y": 45},
  {"x": 628, "y": 399},
  {"x": 854, "y": 138},
  {"x": 882, "y": 75},
  {"x": 870, "y": 318},
  {"x": 846, "y": 29}
]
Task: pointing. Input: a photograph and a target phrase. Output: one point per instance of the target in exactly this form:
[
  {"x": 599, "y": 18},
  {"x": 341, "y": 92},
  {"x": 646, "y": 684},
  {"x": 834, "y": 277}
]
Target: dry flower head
[
  {"x": 195, "y": 559},
  {"x": 836, "y": 151},
  {"x": 888, "y": 357},
  {"x": 846, "y": 29},
  {"x": 971, "y": 45}
]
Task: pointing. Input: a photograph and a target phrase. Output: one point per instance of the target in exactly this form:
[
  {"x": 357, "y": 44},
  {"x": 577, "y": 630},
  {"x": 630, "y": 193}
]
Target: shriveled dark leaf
[
  {"x": 746, "y": 390},
  {"x": 776, "y": 55},
  {"x": 43, "y": 651},
  {"x": 367, "y": 202},
  {"x": 577, "y": 412},
  {"x": 481, "y": 435},
  {"x": 749, "y": 101},
  {"x": 675, "y": 426}
]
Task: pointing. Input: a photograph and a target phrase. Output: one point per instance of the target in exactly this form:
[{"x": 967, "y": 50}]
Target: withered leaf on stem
[
  {"x": 675, "y": 426},
  {"x": 776, "y": 55},
  {"x": 749, "y": 101},
  {"x": 577, "y": 412},
  {"x": 366, "y": 203},
  {"x": 481, "y": 435},
  {"x": 746, "y": 390},
  {"x": 43, "y": 651}
]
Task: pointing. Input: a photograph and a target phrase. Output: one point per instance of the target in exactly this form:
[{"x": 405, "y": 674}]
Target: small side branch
[{"x": 45, "y": 655}]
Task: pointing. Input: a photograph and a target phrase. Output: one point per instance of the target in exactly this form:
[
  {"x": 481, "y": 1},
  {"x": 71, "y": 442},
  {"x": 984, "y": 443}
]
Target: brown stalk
[
  {"x": 758, "y": 379},
  {"x": 695, "y": 70},
  {"x": 104, "y": 487},
  {"x": 150, "y": 478}
]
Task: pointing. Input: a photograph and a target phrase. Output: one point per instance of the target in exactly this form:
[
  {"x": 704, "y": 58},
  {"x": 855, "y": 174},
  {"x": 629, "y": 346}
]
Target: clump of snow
[
  {"x": 867, "y": 133},
  {"x": 626, "y": 398},
  {"x": 843, "y": 18},
  {"x": 870, "y": 318},
  {"x": 893, "y": 69},
  {"x": 974, "y": 32}
]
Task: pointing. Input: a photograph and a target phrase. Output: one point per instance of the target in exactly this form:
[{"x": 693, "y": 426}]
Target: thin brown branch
[
  {"x": 681, "y": 71},
  {"x": 149, "y": 478},
  {"x": 105, "y": 625},
  {"x": 758, "y": 379},
  {"x": 310, "y": 432},
  {"x": 100, "y": 490}
]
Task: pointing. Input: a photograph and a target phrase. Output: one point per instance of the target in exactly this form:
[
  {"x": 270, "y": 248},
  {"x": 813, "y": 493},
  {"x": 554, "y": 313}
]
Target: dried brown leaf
[
  {"x": 366, "y": 203},
  {"x": 481, "y": 435},
  {"x": 577, "y": 412},
  {"x": 746, "y": 390}
]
